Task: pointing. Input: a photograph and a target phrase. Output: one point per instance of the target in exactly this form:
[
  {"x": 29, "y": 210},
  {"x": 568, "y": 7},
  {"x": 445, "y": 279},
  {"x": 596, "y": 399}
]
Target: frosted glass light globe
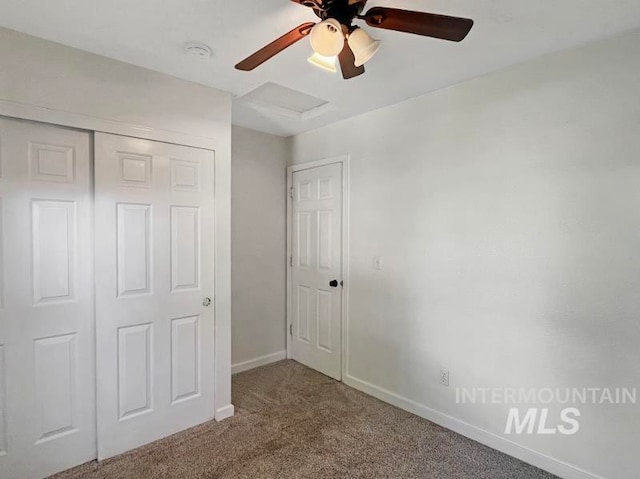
[
  {"x": 327, "y": 38},
  {"x": 364, "y": 47}
]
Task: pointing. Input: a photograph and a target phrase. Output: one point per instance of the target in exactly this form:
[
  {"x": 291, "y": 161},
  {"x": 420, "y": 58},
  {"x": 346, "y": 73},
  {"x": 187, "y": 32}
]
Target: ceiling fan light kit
[{"x": 336, "y": 36}]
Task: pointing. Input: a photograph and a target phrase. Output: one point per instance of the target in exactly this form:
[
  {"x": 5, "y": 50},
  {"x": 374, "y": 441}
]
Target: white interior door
[
  {"x": 316, "y": 269},
  {"x": 47, "y": 387},
  {"x": 154, "y": 271}
]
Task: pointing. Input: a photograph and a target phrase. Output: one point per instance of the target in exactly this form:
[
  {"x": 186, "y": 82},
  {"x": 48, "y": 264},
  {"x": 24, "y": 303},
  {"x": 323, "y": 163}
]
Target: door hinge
[
  {"x": 291, "y": 329},
  {"x": 291, "y": 261},
  {"x": 291, "y": 192}
]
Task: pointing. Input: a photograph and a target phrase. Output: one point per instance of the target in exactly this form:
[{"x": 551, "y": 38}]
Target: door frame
[{"x": 344, "y": 160}]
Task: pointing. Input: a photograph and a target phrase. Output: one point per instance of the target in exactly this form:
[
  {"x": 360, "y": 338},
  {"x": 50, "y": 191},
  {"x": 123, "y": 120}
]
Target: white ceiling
[{"x": 152, "y": 34}]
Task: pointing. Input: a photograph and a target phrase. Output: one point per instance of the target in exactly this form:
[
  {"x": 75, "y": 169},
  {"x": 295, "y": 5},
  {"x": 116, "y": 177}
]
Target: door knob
[
  {"x": 206, "y": 302},
  {"x": 334, "y": 283}
]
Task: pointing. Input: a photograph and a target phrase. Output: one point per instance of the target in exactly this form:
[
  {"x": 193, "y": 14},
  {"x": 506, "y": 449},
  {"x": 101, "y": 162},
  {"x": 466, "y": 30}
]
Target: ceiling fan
[{"x": 336, "y": 36}]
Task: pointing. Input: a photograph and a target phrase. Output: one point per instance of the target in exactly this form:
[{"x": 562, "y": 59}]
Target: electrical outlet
[{"x": 444, "y": 377}]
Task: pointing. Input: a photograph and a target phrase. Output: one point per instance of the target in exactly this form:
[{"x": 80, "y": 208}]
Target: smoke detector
[{"x": 198, "y": 50}]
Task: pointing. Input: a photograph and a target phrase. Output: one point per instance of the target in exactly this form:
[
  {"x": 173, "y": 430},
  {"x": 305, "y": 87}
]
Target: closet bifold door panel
[
  {"x": 47, "y": 357},
  {"x": 154, "y": 218}
]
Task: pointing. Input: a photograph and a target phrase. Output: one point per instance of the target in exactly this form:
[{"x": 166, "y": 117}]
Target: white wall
[
  {"x": 507, "y": 213},
  {"x": 45, "y": 81},
  {"x": 258, "y": 247}
]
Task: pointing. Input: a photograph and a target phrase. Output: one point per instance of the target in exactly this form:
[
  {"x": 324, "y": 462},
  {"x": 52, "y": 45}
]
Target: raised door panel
[
  {"x": 325, "y": 188},
  {"x": 135, "y": 170},
  {"x": 185, "y": 359},
  {"x": 185, "y": 248},
  {"x": 303, "y": 246},
  {"x": 52, "y": 162},
  {"x": 135, "y": 364},
  {"x": 134, "y": 249},
  {"x": 185, "y": 175},
  {"x": 325, "y": 240},
  {"x": 53, "y": 229},
  {"x": 55, "y": 380},
  {"x": 303, "y": 296},
  {"x": 323, "y": 319},
  {"x": 304, "y": 191}
]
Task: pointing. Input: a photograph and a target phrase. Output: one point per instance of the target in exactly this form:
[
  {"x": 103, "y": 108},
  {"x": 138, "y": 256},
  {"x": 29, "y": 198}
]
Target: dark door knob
[{"x": 334, "y": 283}]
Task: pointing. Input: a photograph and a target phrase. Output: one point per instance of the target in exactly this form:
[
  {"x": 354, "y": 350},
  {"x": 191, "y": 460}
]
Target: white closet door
[
  {"x": 47, "y": 388},
  {"x": 316, "y": 269},
  {"x": 154, "y": 272}
]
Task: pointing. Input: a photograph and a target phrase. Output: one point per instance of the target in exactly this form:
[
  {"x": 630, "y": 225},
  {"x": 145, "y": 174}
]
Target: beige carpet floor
[{"x": 292, "y": 422}]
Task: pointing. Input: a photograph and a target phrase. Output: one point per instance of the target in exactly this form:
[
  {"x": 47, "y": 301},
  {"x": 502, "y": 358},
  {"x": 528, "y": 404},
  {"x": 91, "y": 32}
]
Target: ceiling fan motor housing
[{"x": 341, "y": 10}]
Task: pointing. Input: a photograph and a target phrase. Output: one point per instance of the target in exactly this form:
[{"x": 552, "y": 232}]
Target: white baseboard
[
  {"x": 225, "y": 412},
  {"x": 542, "y": 461},
  {"x": 257, "y": 362}
]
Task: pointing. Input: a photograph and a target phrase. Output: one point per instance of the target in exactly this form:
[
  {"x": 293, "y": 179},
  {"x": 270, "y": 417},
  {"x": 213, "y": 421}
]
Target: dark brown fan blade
[
  {"x": 275, "y": 47},
  {"x": 428, "y": 24},
  {"x": 347, "y": 63}
]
